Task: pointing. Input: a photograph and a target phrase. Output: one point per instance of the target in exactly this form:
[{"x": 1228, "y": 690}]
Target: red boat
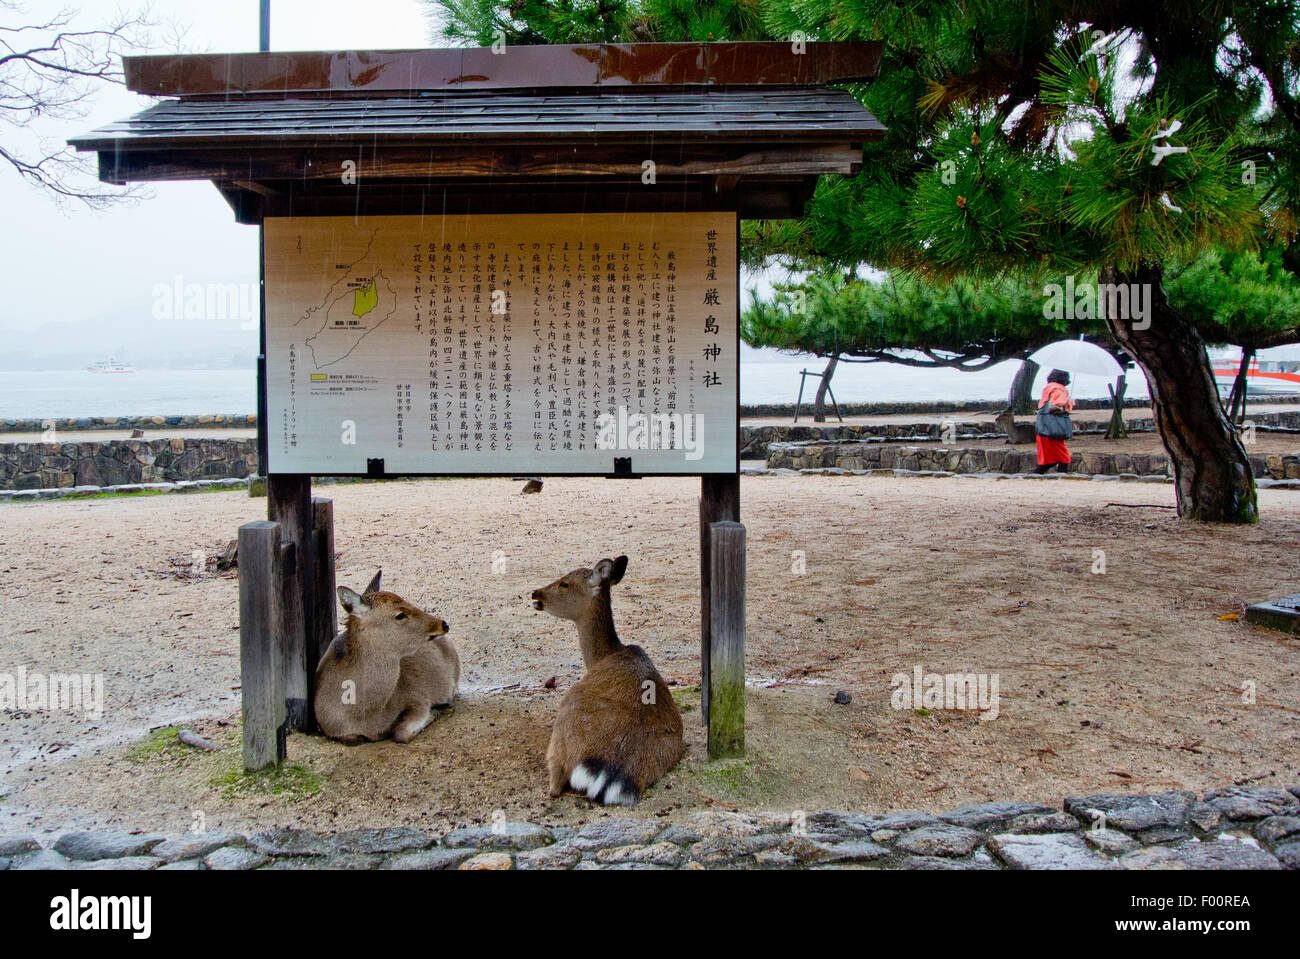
[{"x": 1262, "y": 376}]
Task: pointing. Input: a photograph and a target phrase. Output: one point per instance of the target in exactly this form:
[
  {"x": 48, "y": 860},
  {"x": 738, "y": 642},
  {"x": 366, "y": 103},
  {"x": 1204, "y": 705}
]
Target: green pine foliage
[
  {"x": 1018, "y": 148},
  {"x": 964, "y": 324},
  {"x": 480, "y": 22},
  {"x": 1246, "y": 299}
]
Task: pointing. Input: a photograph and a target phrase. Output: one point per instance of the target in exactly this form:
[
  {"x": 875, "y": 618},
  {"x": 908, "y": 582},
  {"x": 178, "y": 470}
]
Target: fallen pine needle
[
  {"x": 715, "y": 802},
  {"x": 190, "y": 738}
]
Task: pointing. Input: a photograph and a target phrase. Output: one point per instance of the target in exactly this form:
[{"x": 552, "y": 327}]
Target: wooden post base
[
  {"x": 261, "y": 666},
  {"x": 727, "y": 640},
  {"x": 289, "y": 505},
  {"x": 719, "y": 500},
  {"x": 324, "y": 617}
]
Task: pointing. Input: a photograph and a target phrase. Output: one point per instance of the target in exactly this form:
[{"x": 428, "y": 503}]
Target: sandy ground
[{"x": 1124, "y": 681}]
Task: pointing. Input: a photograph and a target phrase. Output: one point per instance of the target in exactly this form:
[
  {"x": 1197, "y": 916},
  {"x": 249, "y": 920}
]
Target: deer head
[
  {"x": 384, "y": 621},
  {"x": 574, "y": 595}
]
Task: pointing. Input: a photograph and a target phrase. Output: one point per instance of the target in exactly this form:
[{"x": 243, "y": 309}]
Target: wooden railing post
[
  {"x": 719, "y": 500},
  {"x": 727, "y": 640},
  {"x": 324, "y": 617},
  {"x": 289, "y": 504},
  {"x": 261, "y": 619}
]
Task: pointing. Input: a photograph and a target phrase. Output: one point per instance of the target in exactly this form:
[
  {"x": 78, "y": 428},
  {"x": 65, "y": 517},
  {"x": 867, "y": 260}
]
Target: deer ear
[
  {"x": 374, "y": 583},
  {"x": 599, "y": 573},
  {"x": 620, "y": 567},
  {"x": 350, "y": 599}
]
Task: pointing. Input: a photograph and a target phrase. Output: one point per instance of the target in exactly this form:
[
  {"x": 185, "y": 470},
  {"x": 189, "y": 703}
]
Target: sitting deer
[
  {"x": 617, "y": 730},
  {"x": 386, "y": 669},
  {"x": 1016, "y": 432}
]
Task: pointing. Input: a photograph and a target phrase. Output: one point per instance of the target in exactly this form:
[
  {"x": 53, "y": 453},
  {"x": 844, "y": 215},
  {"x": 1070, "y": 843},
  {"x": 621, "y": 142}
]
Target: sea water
[{"x": 765, "y": 377}]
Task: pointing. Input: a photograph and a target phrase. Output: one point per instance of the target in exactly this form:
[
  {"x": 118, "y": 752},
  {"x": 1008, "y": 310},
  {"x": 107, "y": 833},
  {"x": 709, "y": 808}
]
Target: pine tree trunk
[
  {"x": 819, "y": 404},
  {"x": 1116, "y": 430},
  {"x": 1212, "y": 475},
  {"x": 1021, "y": 397}
]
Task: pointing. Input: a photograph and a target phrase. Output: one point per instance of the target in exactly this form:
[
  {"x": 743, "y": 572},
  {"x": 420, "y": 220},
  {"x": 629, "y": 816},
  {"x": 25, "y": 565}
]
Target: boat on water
[
  {"x": 1271, "y": 371},
  {"x": 109, "y": 365}
]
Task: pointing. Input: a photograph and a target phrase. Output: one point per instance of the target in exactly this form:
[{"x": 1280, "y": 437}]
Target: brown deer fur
[
  {"x": 1016, "y": 432},
  {"x": 385, "y": 671},
  {"x": 617, "y": 730}
]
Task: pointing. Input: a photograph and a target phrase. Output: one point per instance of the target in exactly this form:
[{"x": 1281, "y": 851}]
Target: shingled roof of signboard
[{"x": 761, "y": 119}]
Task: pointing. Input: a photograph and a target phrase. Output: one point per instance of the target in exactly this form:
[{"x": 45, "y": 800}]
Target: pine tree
[
  {"x": 1024, "y": 137},
  {"x": 1108, "y": 140}
]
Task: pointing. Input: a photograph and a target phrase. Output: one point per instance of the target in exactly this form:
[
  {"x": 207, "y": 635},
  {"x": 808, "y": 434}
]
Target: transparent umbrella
[{"x": 1077, "y": 356}]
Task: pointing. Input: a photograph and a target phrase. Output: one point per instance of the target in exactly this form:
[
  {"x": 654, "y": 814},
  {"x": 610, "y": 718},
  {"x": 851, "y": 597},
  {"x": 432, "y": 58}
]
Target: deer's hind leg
[
  {"x": 559, "y": 775},
  {"x": 411, "y": 722}
]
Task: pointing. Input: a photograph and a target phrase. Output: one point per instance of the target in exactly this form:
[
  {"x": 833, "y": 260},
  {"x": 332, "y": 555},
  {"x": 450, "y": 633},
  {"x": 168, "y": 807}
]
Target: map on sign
[
  {"x": 568, "y": 343},
  {"x": 353, "y": 307}
]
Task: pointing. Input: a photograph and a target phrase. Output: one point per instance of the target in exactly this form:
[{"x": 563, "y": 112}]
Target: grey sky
[
  {"x": 96, "y": 271},
  {"x": 81, "y": 283}
]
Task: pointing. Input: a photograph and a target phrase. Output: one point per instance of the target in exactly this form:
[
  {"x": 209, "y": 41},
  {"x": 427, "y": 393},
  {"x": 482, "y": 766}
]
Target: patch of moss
[
  {"x": 739, "y": 781},
  {"x": 290, "y": 781},
  {"x": 159, "y": 744},
  {"x": 187, "y": 491},
  {"x": 143, "y": 492},
  {"x": 686, "y": 698}
]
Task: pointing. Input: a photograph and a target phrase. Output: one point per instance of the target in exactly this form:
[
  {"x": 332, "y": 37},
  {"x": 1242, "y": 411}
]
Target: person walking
[{"x": 1053, "y": 426}]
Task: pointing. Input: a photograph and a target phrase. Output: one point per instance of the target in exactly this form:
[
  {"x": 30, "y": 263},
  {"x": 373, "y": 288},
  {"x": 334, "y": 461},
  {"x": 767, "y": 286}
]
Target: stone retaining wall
[
  {"x": 755, "y": 440},
  {"x": 28, "y": 466},
  {"x": 249, "y": 420},
  {"x": 1241, "y": 827},
  {"x": 753, "y": 411},
  {"x": 68, "y": 424},
  {"x": 869, "y": 455},
  {"x": 786, "y": 410},
  {"x": 65, "y": 465}
]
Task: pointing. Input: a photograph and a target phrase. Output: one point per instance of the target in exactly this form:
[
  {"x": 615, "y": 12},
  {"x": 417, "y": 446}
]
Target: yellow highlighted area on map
[
  {"x": 320, "y": 376},
  {"x": 365, "y": 299}
]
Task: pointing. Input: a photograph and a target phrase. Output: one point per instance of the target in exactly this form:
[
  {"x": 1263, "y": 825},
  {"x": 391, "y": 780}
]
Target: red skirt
[{"x": 1051, "y": 452}]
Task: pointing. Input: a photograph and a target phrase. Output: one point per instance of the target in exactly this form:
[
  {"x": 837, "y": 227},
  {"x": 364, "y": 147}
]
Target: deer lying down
[
  {"x": 385, "y": 671},
  {"x": 1016, "y": 432},
  {"x": 617, "y": 730}
]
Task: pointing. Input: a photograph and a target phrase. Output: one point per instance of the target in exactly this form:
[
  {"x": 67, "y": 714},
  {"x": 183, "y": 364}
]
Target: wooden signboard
[{"x": 496, "y": 344}]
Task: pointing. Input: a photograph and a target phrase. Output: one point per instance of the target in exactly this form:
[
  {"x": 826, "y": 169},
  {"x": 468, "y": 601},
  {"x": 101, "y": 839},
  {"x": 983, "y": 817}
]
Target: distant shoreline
[{"x": 758, "y": 411}]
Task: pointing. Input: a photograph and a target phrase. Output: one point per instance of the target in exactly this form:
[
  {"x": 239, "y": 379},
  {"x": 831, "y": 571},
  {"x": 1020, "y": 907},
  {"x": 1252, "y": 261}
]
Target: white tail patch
[
  {"x": 584, "y": 781},
  {"x": 614, "y": 796},
  {"x": 614, "y": 789}
]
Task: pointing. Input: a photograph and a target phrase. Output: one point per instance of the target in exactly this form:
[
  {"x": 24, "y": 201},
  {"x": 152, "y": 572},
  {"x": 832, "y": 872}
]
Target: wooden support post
[
  {"x": 261, "y": 612},
  {"x": 803, "y": 378},
  {"x": 324, "y": 618},
  {"x": 719, "y": 500},
  {"x": 727, "y": 639},
  {"x": 289, "y": 504},
  {"x": 1115, "y": 429}
]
